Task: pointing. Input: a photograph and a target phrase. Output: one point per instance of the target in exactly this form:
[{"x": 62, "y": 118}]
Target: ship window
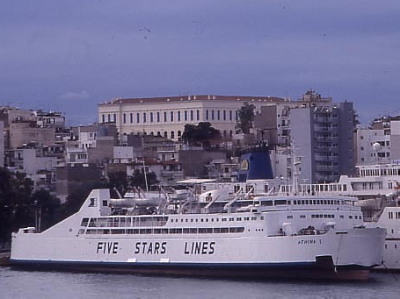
[
  {"x": 193, "y": 230},
  {"x": 239, "y": 219},
  {"x": 390, "y": 215},
  {"x": 350, "y": 217},
  {"x": 186, "y": 231},
  {"x": 291, "y": 217},
  {"x": 280, "y": 202},
  {"x": 104, "y": 203},
  {"x": 92, "y": 202},
  {"x": 85, "y": 221},
  {"x": 341, "y": 216},
  {"x": 217, "y": 230},
  {"x": 302, "y": 216}
]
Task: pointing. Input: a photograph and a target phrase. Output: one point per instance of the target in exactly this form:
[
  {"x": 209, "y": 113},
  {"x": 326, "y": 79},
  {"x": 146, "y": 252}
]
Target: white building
[
  {"x": 40, "y": 169},
  {"x": 379, "y": 144},
  {"x": 167, "y": 116}
]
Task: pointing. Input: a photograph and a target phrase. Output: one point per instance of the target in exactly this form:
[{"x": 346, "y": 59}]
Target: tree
[
  {"x": 46, "y": 207},
  {"x": 139, "y": 180},
  {"x": 246, "y": 118},
  {"x": 118, "y": 180},
  {"x": 15, "y": 203},
  {"x": 202, "y": 134}
]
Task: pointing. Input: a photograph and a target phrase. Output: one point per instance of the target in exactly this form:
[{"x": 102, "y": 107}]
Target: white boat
[
  {"x": 305, "y": 237},
  {"x": 378, "y": 188}
]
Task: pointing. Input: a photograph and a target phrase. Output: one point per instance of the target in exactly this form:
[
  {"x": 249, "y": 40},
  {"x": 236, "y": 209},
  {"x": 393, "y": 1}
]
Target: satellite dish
[{"x": 376, "y": 147}]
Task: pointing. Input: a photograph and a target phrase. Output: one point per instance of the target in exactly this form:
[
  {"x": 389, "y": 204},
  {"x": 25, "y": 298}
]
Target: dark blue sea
[{"x": 30, "y": 284}]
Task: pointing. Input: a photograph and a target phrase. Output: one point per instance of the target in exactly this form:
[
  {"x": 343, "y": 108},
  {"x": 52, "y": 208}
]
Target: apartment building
[
  {"x": 322, "y": 133},
  {"x": 379, "y": 143}
]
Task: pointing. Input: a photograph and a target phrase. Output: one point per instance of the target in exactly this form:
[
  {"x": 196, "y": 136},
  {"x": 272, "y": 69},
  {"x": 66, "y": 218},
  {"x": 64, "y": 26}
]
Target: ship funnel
[{"x": 255, "y": 164}]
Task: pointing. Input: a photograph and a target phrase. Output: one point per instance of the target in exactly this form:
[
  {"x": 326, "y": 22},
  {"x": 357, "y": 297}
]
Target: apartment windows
[{"x": 172, "y": 116}]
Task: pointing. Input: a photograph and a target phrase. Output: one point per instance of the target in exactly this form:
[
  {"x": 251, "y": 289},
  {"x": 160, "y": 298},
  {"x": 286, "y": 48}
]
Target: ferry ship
[
  {"x": 376, "y": 186},
  {"x": 304, "y": 237}
]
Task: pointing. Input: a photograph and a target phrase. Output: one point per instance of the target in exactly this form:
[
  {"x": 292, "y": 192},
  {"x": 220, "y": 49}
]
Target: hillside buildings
[
  {"x": 167, "y": 116},
  {"x": 318, "y": 130},
  {"x": 380, "y": 142},
  {"x": 137, "y": 135}
]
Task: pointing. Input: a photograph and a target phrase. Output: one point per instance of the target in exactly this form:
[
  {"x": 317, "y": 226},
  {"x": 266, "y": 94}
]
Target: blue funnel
[{"x": 255, "y": 165}]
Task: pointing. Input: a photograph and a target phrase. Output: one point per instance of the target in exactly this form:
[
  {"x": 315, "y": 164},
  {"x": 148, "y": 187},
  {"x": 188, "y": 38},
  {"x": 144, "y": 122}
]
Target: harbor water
[{"x": 32, "y": 284}]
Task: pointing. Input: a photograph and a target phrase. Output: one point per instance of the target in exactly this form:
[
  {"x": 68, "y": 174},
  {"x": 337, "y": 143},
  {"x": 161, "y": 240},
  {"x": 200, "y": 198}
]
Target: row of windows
[
  {"x": 302, "y": 202},
  {"x": 217, "y": 219},
  {"x": 124, "y": 221},
  {"x": 378, "y": 172},
  {"x": 171, "y": 116},
  {"x": 157, "y": 231},
  {"x": 324, "y": 216},
  {"x": 178, "y": 134},
  {"x": 396, "y": 214},
  {"x": 311, "y": 189},
  {"x": 152, "y": 221}
]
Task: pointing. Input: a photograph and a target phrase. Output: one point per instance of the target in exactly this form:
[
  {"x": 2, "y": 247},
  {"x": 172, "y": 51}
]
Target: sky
[{"x": 70, "y": 56}]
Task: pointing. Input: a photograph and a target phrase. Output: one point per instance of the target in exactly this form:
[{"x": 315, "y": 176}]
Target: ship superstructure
[{"x": 265, "y": 236}]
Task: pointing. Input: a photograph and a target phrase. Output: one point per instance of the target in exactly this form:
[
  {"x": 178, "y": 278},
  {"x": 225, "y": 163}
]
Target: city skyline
[{"x": 70, "y": 56}]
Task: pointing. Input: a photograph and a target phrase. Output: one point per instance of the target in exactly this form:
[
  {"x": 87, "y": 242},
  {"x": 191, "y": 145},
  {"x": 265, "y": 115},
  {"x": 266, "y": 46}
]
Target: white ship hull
[
  {"x": 390, "y": 220},
  {"x": 335, "y": 254}
]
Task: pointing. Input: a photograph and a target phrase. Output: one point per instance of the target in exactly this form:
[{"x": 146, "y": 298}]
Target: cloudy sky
[{"x": 70, "y": 56}]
